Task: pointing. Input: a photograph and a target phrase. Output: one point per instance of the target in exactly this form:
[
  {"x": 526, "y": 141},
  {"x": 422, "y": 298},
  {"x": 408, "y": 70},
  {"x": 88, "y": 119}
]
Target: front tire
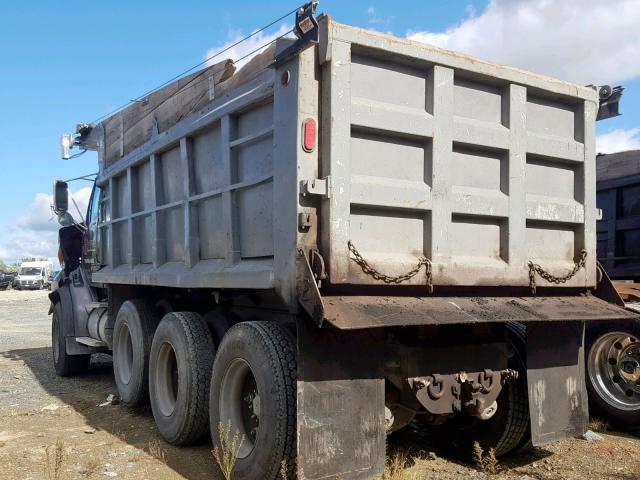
[
  {"x": 612, "y": 358},
  {"x": 179, "y": 371},
  {"x": 253, "y": 392},
  {"x": 132, "y": 336},
  {"x": 66, "y": 365}
]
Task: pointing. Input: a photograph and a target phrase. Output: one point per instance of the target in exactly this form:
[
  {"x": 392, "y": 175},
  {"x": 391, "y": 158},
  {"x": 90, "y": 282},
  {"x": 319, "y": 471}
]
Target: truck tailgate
[{"x": 479, "y": 168}]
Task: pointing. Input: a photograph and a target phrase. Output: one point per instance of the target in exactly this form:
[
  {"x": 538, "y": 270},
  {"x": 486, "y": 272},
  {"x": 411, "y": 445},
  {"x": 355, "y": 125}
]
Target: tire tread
[{"x": 200, "y": 351}]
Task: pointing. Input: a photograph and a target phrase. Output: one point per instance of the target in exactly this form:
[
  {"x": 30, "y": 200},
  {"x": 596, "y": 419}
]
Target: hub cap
[
  {"x": 240, "y": 405},
  {"x": 124, "y": 355},
  {"x": 614, "y": 370},
  {"x": 167, "y": 380}
]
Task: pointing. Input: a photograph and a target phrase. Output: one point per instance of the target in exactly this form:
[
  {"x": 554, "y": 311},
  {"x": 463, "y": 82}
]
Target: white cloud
[
  {"x": 35, "y": 232},
  {"x": 246, "y": 47},
  {"x": 619, "y": 140},
  {"x": 586, "y": 41},
  {"x": 377, "y": 21},
  {"x": 28, "y": 244},
  {"x": 39, "y": 217}
]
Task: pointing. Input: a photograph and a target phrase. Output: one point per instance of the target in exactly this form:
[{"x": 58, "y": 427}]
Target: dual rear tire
[
  {"x": 253, "y": 393},
  {"x": 180, "y": 365},
  {"x": 132, "y": 335},
  {"x": 508, "y": 430},
  {"x": 250, "y": 389}
]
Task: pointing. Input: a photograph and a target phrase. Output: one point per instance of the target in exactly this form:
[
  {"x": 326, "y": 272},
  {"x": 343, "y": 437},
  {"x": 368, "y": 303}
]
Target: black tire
[
  {"x": 180, "y": 365},
  {"x": 518, "y": 336},
  {"x": 66, "y": 365},
  {"x": 618, "y": 401},
  {"x": 257, "y": 357},
  {"x": 132, "y": 337},
  {"x": 219, "y": 323},
  {"x": 504, "y": 432}
]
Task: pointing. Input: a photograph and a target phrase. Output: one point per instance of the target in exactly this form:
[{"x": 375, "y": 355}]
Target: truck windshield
[{"x": 30, "y": 271}]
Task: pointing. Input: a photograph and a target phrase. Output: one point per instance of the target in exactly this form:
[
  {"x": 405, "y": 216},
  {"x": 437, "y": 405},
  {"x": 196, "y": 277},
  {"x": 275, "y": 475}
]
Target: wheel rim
[
  {"x": 166, "y": 379},
  {"x": 124, "y": 355},
  {"x": 54, "y": 340},
  {"x": 240, "y": 406},
  {"x": 614, "y": 370}
]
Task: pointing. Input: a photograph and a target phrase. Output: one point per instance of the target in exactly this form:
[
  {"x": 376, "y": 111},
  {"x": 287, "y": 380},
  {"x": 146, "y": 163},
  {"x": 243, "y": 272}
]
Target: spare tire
[
  {"x": 132, "y": 336},
  {"x": 253, "y": 394},
  {"x": 179, "y": 371}
]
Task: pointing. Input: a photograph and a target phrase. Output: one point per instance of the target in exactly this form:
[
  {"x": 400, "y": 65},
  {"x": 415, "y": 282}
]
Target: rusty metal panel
[
  {"x": 555, "y": 375},
  {"x": 356, "y": 312},
  {"x": 340, "y": 403}
]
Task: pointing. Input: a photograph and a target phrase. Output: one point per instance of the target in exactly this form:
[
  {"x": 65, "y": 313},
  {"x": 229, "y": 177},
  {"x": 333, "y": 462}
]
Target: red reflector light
[{"x": 309, "y": 135}]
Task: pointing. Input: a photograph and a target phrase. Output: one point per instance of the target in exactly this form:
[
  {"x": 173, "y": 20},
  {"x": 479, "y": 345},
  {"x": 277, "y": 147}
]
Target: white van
[{"x": 34, "y": 275}]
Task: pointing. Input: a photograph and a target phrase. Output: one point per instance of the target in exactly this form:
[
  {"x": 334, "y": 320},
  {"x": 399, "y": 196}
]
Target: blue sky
[{"x": 70, "y": 61}]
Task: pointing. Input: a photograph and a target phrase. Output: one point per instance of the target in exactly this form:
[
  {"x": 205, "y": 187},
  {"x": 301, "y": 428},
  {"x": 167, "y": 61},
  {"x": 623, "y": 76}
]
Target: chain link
[
  {"x": 371, "y": 271},
  {"x": 535, "y": 268}
]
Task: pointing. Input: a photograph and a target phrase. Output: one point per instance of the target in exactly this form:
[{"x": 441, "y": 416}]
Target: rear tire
[
  {"x": 253, "y": 392},
  {"x": 180, "y": 364},
  {"x": 66, "y": 365},
  {"x": 506, "y": 430},
  {"x": 612, "y": 358},
  {"x": 132, "y": 337}
]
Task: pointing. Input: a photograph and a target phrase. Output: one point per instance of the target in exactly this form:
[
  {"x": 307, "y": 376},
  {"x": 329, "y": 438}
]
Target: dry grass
[
  {"x": 488, "y": 462},
  {"x": 283, "y": 470},
  {"x": 400, "y": 466},
  {"x": 89, "y": 467},
  {"x": 599, "y": 425},
  {"x": 226, "y": 451},
  {"x": 54, "y": 460},
  {"x": 156, "y": 451}
]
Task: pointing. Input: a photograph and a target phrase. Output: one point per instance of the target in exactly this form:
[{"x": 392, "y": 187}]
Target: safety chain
[
  {"x": 535, "y": 268},
  {"x": 369, "y": 270}
]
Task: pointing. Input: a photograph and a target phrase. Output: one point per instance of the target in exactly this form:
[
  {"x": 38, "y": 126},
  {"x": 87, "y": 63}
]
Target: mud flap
[
  {"x": 340, "y": 422},
  {"x": 556, "y": 382}
]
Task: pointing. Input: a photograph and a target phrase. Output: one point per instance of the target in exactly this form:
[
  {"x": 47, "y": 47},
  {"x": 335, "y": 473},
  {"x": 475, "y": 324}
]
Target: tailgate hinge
[{"x": 316, "y": 186}]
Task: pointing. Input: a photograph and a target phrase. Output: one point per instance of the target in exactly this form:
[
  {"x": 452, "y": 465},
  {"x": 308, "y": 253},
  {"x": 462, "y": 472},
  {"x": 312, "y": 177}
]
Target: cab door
[{"x": 91, "y": 251}]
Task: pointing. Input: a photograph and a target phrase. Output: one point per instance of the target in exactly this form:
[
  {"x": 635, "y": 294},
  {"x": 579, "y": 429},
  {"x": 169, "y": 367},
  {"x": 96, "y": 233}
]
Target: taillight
[{"x": 309, "y": 135}]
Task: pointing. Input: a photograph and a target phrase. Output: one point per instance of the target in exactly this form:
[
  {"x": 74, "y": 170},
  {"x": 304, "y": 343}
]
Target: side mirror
[{"x": 60, "y": 197}]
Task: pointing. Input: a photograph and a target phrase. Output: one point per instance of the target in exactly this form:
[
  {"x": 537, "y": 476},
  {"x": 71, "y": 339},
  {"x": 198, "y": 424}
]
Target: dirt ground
[{"x": 39, "y": 410}]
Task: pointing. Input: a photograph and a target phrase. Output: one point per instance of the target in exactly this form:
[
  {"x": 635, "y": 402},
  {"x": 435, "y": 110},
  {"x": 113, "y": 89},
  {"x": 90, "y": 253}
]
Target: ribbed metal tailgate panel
[{"x": 478, "y": 167}]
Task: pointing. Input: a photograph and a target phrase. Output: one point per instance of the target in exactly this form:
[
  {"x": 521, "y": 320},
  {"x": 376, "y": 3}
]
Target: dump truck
[
  {"x": 352, "y": 234},
  {"x": 613, "y": 348}
]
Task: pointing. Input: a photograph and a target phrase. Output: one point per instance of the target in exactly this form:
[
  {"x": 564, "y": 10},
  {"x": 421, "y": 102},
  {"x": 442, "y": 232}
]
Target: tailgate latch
[{"x": 316, "y": 186}]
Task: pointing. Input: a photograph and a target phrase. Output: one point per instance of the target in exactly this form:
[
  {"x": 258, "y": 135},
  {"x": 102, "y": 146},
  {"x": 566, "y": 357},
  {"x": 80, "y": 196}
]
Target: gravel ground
[{"x": 39, "y": 409}]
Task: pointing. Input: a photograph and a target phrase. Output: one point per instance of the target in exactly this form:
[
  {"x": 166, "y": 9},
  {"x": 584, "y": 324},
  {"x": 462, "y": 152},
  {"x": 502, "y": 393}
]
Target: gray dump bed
[{"x": 426, "y": 153}]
